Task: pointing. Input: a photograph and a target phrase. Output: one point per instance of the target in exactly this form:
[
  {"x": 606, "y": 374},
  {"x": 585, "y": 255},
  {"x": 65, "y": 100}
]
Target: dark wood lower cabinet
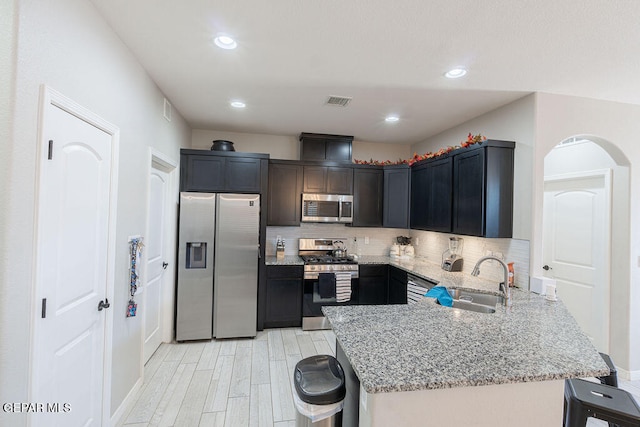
[
  {"x": 373, "y": 283},
  {"x": 283, "y": 296},
  {"x": 397, "y": 286}
]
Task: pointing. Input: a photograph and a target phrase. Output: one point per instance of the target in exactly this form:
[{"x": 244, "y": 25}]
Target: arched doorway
[{"x": 586, "y": 235}]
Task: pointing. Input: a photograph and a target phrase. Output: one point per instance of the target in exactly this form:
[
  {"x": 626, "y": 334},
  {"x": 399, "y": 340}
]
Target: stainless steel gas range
[{"x": 328, "y": 279}]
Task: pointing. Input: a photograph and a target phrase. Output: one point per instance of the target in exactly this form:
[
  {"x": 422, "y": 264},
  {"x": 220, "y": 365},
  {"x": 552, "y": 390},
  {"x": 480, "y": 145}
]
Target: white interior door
[
  {"x": 73, "y": 271},
  {"x": 576, "y": 248},
  {"x": 156, "y": 255}
]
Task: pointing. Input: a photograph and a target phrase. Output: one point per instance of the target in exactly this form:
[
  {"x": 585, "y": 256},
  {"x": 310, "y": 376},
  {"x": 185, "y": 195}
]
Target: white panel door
[
  {"x": 155, "y": 250},
  {"x": 576, "y": 248},
  {"x": 72, "y": 271}
]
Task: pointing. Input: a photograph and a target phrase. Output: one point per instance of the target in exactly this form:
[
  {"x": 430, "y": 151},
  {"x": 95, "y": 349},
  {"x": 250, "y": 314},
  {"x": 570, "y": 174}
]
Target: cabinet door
[
  {"x": 397, "y": 286},
  {"x": 242, "y": 175},
  {"x": 419, "y": 202},
  {"x": 373, "y": 284},
  {"x": 339, "y": 180},
  {"x": 338, "y": 150},
  {"x": 396, "y": 198},
  {"x": 315, "y": 179},
  {"x": 367, "y": 197},
  {"x": 284, "y": 201},
  {"x": 203, "y": 173},
  {"x": 312, "y": 149},
  {"x": 469, "y": 193},
  {"x": 431, "y": 199},
  {"x": 283, "y": 296},
  {"x": 439, "y": 195}
]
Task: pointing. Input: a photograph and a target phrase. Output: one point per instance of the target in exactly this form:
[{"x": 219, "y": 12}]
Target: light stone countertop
[
  {"x": 288, "y": 260},
  {"x": 428, "y": 346}
]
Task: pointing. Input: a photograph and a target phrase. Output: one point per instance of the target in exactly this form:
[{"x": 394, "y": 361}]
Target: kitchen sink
[
  {"x": 469, "y": 306},
  {"x": 474, "y": 301}
]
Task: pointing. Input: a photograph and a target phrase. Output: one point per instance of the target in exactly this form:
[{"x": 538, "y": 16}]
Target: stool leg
[{"x": 576, "y": 415}]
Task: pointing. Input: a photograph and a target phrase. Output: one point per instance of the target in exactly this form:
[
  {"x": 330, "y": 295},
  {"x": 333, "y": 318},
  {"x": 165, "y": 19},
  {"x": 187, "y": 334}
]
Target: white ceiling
[{"x": 389, "y": 56}]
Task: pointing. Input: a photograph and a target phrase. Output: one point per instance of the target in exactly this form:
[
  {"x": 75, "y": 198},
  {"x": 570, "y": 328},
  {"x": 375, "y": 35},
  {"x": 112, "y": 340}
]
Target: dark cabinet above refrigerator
[{"x": 222, "y": 171}]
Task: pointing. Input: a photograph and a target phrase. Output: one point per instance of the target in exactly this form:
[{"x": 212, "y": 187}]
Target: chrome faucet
[{"x": 504, "y": 286}]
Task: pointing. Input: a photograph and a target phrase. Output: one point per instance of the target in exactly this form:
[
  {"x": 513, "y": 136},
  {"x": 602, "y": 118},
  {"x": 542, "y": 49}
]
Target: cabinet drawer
[
  {"x": 287, "y": 271},
  {"x": 372, "y": 270}
]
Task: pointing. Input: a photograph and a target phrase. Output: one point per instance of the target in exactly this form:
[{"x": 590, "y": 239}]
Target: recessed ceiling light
[
  {"x": 237, "y": 104},
  {"x": 391, "y": 119},
  {"x": 225, "y": 42},
  {"x": 455, "y": 73}
]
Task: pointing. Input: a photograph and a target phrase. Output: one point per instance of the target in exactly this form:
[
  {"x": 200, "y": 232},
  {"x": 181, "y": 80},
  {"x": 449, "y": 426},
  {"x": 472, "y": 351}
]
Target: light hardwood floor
[{"x": 240, "y": 382}]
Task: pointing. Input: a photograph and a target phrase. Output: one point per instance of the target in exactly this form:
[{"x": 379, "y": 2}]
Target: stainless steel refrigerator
[{"x": 217, "y": 289}]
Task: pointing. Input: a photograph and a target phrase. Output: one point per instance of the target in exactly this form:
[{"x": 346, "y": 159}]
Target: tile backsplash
[{"x": 428, "y": 245}]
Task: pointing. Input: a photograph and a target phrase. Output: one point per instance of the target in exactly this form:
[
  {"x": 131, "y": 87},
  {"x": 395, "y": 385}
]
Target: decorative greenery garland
[{"x": 471, "y": 139}]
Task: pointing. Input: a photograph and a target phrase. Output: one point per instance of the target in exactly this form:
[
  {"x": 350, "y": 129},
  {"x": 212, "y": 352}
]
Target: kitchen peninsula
[{"x": 425, "y": 364}]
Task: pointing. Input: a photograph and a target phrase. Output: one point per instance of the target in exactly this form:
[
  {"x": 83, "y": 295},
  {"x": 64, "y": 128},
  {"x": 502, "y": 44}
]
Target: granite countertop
[
  {"x": 428, "y": 346},
  {"x": 288, "y": 260},
  {"x": 434, "y": 273}
]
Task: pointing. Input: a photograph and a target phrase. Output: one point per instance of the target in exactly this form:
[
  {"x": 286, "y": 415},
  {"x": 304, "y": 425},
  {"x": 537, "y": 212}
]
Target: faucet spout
[{"x": 502, "y": 287}]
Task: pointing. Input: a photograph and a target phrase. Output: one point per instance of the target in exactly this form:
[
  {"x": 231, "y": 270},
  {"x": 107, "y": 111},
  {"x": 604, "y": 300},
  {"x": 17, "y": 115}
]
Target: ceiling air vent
[{"x": 341, "y": 101}]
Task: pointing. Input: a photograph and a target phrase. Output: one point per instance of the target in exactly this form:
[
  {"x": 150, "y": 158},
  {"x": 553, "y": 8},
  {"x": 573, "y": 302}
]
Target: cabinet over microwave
[{"x": 327, "y": 208}]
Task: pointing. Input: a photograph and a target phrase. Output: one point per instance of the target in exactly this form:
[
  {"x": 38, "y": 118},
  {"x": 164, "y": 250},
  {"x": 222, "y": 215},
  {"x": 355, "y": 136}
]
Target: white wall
[
  {"x": 512, "y": 122},
  {"x": 615, "y": 127},
  {"x": 67, "y": 45},
  {"x": 288, "y": 147},
  {"x": 8, "y": 38},
  {"x": 278, "y": 146},
  {"x": 380, "y": 151}
]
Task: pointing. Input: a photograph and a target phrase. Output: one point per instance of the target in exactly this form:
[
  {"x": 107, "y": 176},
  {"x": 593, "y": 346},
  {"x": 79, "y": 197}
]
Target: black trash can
[{"x": 320, "y": 391}]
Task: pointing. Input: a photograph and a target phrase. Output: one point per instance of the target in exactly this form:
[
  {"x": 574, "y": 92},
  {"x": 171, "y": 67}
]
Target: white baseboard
[
  {"x": 628, "y": 375},
  {"x": 124, "y": 406}
]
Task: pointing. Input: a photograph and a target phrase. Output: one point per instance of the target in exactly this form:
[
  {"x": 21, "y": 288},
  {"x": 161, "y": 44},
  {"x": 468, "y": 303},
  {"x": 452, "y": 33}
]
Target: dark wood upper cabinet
[
  {"x": 284, "y": 194},
  {"x": 202, "y": 173},
  {"x": 483, "y": 190},
  {"x": 242, "y": 174},
  {"x": 397, "y": 181},
  {"x": 215, "y": 171},
  {"x": 317, "y": 146},
  {"x": 431, "y": 199},
  {"x": 368, "y": 195},
  {"x": 468, "y": 191},
  {"x": 339, "y": 180},
  {"x": 315, "y": 179},
  {"x": 328, "y": 179}
]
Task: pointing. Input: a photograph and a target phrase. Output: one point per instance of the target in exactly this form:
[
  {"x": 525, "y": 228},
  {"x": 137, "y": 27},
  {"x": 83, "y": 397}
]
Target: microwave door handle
[{"x": 340, "y": 210}]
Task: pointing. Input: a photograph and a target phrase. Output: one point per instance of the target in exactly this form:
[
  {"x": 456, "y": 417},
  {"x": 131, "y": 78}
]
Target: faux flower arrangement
[{"x": 471, "y": 139}]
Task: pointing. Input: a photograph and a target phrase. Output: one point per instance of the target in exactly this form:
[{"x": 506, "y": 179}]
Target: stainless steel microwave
[{"x": 327, "y": 208}]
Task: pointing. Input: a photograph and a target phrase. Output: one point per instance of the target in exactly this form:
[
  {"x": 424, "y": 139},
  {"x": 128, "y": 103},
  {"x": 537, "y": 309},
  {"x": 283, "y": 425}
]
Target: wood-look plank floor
[{"x": 240, "y": 382}]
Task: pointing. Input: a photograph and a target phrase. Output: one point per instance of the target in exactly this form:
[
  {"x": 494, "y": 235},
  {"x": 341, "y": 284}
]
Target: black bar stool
[
  {"x": 585, "y": 399},
  {"x": 612, "y": 378}
]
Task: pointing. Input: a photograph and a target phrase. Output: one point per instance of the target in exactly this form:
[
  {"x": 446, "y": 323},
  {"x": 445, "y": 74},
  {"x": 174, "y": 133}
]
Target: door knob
[
  {"x": 164, "y": 265},
  {"x": 103, "y": 304},
  {"x": 546, "y": 268}
]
